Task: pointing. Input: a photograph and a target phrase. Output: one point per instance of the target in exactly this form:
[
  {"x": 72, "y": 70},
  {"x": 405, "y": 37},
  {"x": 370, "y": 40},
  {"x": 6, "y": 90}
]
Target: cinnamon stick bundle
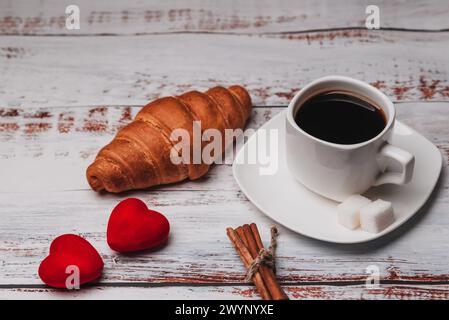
[{"x": 248, "y": 244}]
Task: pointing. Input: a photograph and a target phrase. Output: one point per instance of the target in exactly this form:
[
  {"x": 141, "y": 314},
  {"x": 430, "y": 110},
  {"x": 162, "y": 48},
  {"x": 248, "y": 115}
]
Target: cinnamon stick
[
  {"x": 252, "y": 245},
  {"x": 241, "y": 234},
  {"x": 256, "y": 234},
  {"x": 255, "y": 245},
  {"x": 247, "y": 259}
]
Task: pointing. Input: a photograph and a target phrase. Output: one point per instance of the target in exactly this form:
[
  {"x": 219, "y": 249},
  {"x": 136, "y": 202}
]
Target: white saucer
[{"x": 289, "y": 203}]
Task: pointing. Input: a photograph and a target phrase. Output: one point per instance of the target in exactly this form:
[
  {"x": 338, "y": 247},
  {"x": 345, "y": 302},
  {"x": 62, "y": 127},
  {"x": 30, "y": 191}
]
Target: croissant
[{"x": 139, "y": 155}]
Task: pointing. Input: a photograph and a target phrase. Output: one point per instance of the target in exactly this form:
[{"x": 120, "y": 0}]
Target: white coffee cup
[{"x": 337, "y": 171}]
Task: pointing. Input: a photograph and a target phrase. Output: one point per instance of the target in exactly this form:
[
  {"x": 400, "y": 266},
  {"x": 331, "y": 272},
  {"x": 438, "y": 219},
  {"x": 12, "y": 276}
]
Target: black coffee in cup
[{"x": 339, "y": 117}]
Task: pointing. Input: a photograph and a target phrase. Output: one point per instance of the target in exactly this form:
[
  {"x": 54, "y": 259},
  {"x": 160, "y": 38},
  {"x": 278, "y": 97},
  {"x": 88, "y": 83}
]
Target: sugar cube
[
  {"x": 349, "y": 210},
  {"x": 376, "y": 216}
]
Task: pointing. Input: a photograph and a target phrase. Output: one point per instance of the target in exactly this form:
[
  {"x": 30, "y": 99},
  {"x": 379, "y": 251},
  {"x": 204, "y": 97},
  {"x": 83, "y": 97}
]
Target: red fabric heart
[
  {"x": 66, "y": 251},
  {"x": 133, "y": 227}
]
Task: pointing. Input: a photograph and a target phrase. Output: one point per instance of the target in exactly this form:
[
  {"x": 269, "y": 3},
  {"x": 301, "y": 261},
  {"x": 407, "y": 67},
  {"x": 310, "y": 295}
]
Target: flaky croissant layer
[{"x": 139, "y": 155}]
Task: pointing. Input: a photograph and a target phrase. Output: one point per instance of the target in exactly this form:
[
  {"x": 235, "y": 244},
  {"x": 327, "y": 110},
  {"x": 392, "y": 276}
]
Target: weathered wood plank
[
  {"x": 68, "y": 71},
  {"x": 255, "y": 16},
  {"x": 311, "y": 292},
  {"x": 199, "y": 251},
  {"x": 49, "y": 149}
]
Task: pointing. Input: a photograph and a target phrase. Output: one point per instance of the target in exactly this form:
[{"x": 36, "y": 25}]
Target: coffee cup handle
[{"x": 405, "y": 159}]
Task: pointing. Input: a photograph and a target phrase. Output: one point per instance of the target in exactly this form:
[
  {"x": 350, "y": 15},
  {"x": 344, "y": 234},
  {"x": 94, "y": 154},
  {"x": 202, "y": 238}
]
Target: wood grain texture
[
  {"x": 20, "y": 17},
  {"x": 68, "y": 71},
  {"x": 198, "y": 251},
  {"x": 48, "y": 149},
  {"x": 307, "y": 292},
  {"x": 64, "y": 94}
]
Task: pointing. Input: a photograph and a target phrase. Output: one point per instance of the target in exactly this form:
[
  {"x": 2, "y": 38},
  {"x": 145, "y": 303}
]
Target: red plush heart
[
  {"x": 66, "y": 252},
  {"x": 133, "y": 227}
]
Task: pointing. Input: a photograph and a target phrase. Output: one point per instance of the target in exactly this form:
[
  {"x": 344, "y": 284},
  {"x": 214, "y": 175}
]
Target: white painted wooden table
[{"x": 63, "y": 94}]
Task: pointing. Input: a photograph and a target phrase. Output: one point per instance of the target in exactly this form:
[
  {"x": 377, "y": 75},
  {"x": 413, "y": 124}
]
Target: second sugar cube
[{"x": 376, "y": 216}]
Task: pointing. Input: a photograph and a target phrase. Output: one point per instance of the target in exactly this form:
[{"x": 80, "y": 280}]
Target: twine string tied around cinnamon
[{"x": 266, "y": 257}]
